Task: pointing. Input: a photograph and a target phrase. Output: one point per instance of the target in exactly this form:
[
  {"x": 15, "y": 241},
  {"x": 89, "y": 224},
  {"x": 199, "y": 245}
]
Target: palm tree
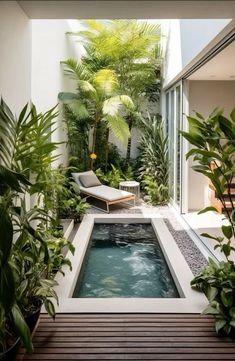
[
  {"x": 97, "y": 99},
  {"x": 132, "y": 49}
]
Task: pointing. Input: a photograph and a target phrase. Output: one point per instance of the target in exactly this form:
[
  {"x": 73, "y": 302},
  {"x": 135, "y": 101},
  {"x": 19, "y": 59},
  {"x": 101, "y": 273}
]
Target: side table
[{"x": 131, "y": 186}]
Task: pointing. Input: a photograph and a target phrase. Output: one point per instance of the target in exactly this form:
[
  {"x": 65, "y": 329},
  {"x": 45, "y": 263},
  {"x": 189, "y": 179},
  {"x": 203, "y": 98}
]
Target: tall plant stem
[
  {"x": 94, "y": 138},
  {"x": 128, "y": 150},
  {"x": 106, "y": 149}
]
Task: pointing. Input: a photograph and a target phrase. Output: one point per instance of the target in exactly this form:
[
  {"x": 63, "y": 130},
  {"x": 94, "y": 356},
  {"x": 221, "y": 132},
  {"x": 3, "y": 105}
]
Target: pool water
[{"x": 125, "y": 260}]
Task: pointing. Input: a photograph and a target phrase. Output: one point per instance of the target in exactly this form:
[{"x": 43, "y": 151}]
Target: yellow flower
[{"x": 93, "y": 156}]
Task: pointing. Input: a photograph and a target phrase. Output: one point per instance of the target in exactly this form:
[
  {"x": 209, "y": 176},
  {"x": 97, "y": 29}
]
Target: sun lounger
[{"x": 102, "y": 192}]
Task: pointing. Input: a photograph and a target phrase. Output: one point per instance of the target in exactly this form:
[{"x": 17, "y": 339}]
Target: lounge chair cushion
[
  {"x": 106, "y": 193},
  {"x": 89, "y": 179},
  {"x": 102, "y": 192}
]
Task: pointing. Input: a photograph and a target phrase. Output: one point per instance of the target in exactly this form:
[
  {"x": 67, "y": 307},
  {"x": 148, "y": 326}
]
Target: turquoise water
[{"x": 125, "y": 260}]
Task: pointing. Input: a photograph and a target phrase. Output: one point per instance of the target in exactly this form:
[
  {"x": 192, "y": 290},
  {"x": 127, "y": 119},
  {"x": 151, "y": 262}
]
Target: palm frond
[
  {"x": 106, "y": 80},
  {"x": 75, "y": 70},
  {"x": 78, "y": 109},
  {"x": 86, "y": 87},
  {"x": 119, "y": 127},
  {"x": 114, "y": 105}
]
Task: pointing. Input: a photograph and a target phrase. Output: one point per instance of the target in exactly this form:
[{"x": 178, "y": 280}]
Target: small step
[
  {"x": 232, "y": 195},
  {"x": 229, "y": 206},
  {"x": 232, "y": 185}
]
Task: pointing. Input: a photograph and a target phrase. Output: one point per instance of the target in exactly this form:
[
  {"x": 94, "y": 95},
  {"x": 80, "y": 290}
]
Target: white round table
[{"x": 131, "y": 186}]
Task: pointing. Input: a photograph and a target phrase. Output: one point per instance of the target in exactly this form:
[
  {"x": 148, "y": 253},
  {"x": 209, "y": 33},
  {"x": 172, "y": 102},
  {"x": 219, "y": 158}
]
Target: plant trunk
[
  {"x": 128, "y": 150},
  {"x": 106, "y": 149},
  {"x": 93, "y": 143}
]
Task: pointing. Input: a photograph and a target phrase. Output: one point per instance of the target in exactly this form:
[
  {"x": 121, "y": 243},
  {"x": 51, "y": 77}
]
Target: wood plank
[
  {"x": 142, "y": 357},
  {"x": 124, "y": 333},
  {"x": 129, "y": 337},
  {"x": 127, "y": 324},
  {"x": 121, "y": 315},
  {"x": 125, "y": 350},
  {"x": 113, "y": 344},
  {"x": 130, "y": 329},
  {"x": 134, "y": 339}
]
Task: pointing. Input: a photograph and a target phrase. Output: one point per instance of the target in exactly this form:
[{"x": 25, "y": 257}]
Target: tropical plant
[
  {"x": 71, "y": 204},
  {"x": 34, "y": 287},
  {"x": 158, "y": 194},
  {"x": 78, "y": 139},
  {"x": 113, "y": 177},
  {"x": 75, "y": 207},
  {"x": 11, "y": 318},
  {"x": 153, "y": 159},
  {"x": 26, "y": 148},
  {"x": 132, "y": 49},
  {"x": 57, "y": 247},
  {"x": 217, "y": 281},
  {"x": 50, "y": 188},
  {"x": 25, "y": 141},
  {"x": 97, "y": 99},
  {"x": 26, "y": 262},
  {"x": 213, "y": 150}
]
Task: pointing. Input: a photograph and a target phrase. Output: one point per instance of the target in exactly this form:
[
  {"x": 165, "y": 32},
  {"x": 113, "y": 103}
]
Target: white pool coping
[{"x": 191, "y": 301}]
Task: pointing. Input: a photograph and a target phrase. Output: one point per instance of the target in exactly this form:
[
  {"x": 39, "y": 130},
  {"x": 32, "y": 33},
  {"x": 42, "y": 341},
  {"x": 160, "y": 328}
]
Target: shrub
[
  {"x": 154, "y": 164},
  {"x": 113, "y": 177},
  {"x": 158, "y": 193}
]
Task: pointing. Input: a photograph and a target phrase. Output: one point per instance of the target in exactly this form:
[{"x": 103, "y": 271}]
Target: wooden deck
[{"x": 129, "y": 337}]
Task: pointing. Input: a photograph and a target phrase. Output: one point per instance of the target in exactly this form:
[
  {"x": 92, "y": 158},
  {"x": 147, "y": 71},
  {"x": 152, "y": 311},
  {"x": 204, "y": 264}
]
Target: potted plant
[
  {"x": 37, "y": 256},
  {"x": 26, "y": 264},
  {"x": 13, "y": 327}
]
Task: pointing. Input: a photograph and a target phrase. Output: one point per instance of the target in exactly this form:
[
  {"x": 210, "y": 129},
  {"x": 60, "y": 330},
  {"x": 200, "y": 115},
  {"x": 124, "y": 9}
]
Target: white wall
[
  {"x": 15, "y": 58},
  {"x": 186, "y": 39},
  {"x": 51, "y": 45},
  {"x": 204, "y": 97}
]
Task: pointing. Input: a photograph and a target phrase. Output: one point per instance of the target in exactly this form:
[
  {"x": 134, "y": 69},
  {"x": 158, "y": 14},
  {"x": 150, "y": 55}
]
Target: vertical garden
[{"x": 116, "y": 96}]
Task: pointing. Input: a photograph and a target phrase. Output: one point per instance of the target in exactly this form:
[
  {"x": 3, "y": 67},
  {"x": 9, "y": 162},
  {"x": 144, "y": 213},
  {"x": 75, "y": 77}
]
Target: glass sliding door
[
  {"x": 174, "y": 116},
  {"x": 178, "y": 146},
  {"x": 171, "y": 143}
]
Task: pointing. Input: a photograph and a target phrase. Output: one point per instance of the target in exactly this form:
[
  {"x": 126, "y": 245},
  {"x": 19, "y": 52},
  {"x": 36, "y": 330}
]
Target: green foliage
[
  {"x": 213, "y": 151},
  {"x": 27, "y": 264},
  {"x": 71, "y": 204},
  {"x": 217, "y": 281},
  {"x": 158, "y": 193},
  {"x": 121, "y": 67},
  {"x": 113, "y": 177},
  {"x": 75, "y": 207},
  {"x": 122, "y": 45},
  {"x": 97, "y": 100},
  {"x": 223, "y": 243},
  {"x": 78, "y": 138},
  {"x": 10, "y": 183},
  {"x": 25, "y": 141},
  {"x": 154, "y": 164}
]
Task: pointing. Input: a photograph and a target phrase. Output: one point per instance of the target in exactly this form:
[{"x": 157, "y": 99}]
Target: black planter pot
[
  {"x": 59, "y": 227},
  {"x": 11, "y": 353},
  {"x": 32, "y": 319}
]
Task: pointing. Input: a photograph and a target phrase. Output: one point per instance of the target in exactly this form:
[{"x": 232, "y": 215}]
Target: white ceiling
[
  {"x": 106, "y": 9},
  {"x": 221, "y": 67}
]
